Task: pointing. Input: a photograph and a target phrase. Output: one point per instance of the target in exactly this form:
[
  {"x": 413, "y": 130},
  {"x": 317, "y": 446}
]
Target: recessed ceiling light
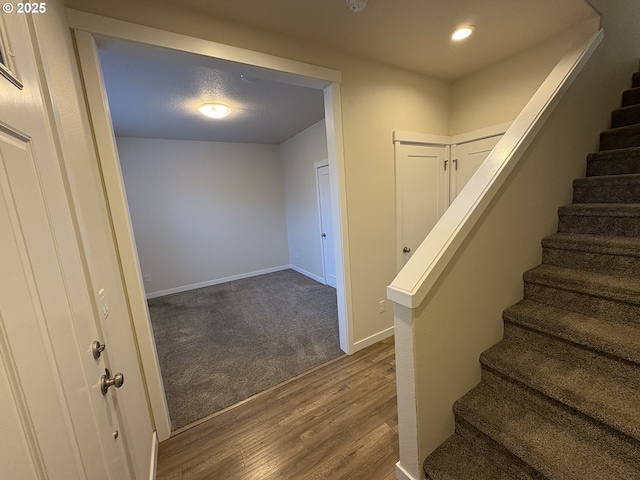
[
  {"x": 215, "y": 110},
  {"x": 462, "y": 33}
]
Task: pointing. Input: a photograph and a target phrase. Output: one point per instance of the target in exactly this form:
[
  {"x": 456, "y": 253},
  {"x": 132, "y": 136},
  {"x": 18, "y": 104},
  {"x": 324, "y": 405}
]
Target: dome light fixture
[
  {"x": 462, "y": 33},
  {"x": 357, "y": 5},
  {"x": 215, "y": 110}
]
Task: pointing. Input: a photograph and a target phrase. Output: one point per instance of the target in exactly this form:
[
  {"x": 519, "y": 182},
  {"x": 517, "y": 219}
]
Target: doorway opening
[{"x": 89, "y": 53}]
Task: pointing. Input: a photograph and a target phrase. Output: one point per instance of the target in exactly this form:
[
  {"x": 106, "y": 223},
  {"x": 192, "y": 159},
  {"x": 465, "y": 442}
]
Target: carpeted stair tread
[
  {"x": 615, "y": 219},
  {"x": 550, "y": 447},
  {"x": 587, "y": 388},
  {"x": 619, "y": 340},
  {"x": 625, "y": 116},
  {"x": 445, "y": 463},
  {"x": 614, "y": 162},
  {"x": 607, "y": 189},
  {"x": 593, "y": 253},
  {"x": 621, "y": 137},
  {"x": 631, "y": 97},
  {"x": 610, "y": 287},
  {"x": 627, "y": 246}
]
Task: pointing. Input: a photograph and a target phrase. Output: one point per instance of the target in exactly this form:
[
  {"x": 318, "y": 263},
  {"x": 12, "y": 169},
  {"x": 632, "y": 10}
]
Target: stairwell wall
[
  {"x": 496, "y": 94},
  {"x": 461, "y": 316}
]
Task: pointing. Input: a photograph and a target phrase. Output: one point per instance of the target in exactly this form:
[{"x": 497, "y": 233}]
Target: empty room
[{"x": 232, "y": 221}]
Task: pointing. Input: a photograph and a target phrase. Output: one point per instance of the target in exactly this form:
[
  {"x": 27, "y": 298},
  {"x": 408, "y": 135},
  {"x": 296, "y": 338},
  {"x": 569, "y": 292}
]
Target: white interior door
[
  {"x": 422, "y": 190},
  {"x": 326, "y": 226},
  {"x": 466, "y": 158},
  {"x": 57, "y": 423}
]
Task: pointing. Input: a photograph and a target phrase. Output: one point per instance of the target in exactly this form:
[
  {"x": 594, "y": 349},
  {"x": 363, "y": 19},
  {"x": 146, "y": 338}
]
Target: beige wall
[
  {"x": 376, "y": 100},
  {"x": 216, "y": 215},
  {"x": 496, "y": 94},
  {"x": 461, "y": 316}
]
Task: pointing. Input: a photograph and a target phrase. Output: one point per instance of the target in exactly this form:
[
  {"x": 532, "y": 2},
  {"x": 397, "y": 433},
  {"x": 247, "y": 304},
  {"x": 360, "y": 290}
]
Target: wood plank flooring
[{"x": 337, "y": 422}]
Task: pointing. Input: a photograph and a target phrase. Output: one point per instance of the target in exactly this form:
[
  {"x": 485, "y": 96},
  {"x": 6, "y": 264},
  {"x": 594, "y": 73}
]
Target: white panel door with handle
[
  {"x": 422, "y": 191},
  {"x": 58, "y": 424},
  {"x": 326, "y": 226}
]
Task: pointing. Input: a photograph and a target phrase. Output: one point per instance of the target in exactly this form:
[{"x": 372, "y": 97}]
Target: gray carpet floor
[{"x": 219, "y": 345}]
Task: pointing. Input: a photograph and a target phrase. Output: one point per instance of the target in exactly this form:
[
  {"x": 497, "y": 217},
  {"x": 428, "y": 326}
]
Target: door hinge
[
  {"x": 455, "y": 163},
  {"x": 446, "y": 162}
]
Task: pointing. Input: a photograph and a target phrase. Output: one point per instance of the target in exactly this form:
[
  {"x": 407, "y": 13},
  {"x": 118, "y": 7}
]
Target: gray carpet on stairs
[
  {"x": 560, "y": 394},
  {"x": 219, "y": 345}
]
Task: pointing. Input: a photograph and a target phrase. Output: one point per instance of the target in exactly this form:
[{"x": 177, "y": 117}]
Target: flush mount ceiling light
[
  {"x": 215, "y": 110},
  {"x": 462, "y": 33},
  {"x": 357, "y": 5}
]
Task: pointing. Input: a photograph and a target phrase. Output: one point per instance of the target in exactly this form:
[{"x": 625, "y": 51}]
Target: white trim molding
[
  {"x": 153, "y": 464},
  {"x": 429, "y": 139},
  {"x": 217, "y": 281},
  {"x": 402, "y": 474},
  {"x": 307, "y": 274},
  {"x": 308, "y": 75},
  {"x": 366, "y": 342}
]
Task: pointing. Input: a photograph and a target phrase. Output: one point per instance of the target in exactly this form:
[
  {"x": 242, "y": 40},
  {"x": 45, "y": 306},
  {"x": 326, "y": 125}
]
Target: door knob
[
  {"x": 406, "y": 249},
  {"x": 106, "y": 381},
  {"x": 324, "y": 235}
]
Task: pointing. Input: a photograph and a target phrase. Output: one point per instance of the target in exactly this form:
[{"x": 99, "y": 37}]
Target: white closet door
[
  {"x": 326, "y": 226},
  {"x": 421, "y": 194},
  {"x": 466, "y": 158}
]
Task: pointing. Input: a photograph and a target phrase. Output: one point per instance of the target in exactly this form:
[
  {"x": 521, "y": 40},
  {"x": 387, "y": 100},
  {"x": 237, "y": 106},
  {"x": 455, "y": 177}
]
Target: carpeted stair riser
[
  {"x": 625, "y": 116},
  {"x": 621, "y": 220},
  {"x": 622, "y": 137},
  {"x": 592, "y": 262},
  {"x": 444, "y": 464},
  {"x": 631, "y": 97},
  {"x": 636, "y": 80},
  {"x": 592, "y": 253},
  {"x": 580, "y": 303},
  {"x": 513, "y": 465},
  {"x": 517, "y": 347},
  {"x": 597, "y": 386},
  {"x": 607, "y": 189},
  {"x": 614, "y": 339},
  {"x": 567, "y": 420},
  {"x": 609, "y": 297},
  {"x": 543, "y": 436},
  {"x": 614, "y": 162}
]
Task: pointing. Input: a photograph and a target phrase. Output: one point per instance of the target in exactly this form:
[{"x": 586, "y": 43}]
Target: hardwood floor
[{"x": 337, "y": 422}]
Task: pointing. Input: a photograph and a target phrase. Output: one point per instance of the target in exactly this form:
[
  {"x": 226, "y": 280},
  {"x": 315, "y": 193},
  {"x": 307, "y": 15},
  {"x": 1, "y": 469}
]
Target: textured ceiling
[{"x": 155, "y": 92}]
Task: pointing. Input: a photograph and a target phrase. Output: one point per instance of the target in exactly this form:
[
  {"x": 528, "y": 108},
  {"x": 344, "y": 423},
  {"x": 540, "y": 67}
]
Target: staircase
[{"x": 560, "y": 395}]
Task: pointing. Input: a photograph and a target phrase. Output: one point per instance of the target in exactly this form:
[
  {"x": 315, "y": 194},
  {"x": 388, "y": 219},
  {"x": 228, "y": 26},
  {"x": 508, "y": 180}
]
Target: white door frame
[{"x": 85, "y": 27}]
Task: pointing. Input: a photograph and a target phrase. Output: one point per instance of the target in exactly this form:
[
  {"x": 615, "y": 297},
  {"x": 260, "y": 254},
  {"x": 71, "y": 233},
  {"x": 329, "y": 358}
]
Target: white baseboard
[
  {"x": 359, "y": 345},
  {"x": 154, "y": 457},
  {"x": 402, "y": 474},
  {"x": 217, "y": 281},
  {"x": 307, "y": 274}
]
